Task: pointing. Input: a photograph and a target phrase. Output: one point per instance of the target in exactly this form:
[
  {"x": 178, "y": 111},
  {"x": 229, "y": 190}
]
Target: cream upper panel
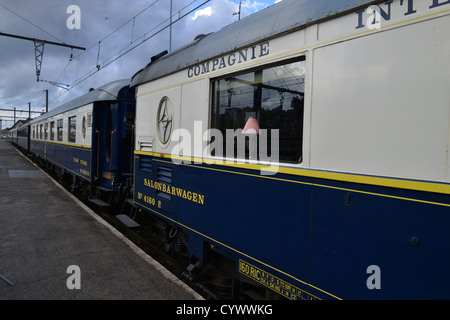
[
  {"x": 381, "y": 103},
  {"x": 376, "y": 102},
  {"x": 83, "y": 135}
]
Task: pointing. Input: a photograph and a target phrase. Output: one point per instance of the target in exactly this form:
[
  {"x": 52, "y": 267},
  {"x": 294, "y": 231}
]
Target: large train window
[
  {"x": 267, "y": 98},
  {"x": 59, "y": 129},
  {"x": 72, "y": 129},
  {"x": 52, "y": 130},
  {"x": 83, "y": 128},
  {"x": 46, "y": 131}
]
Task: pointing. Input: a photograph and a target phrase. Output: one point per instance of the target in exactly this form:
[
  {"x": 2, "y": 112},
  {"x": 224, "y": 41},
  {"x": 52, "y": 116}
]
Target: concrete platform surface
[{"x": 50, "y": 244}]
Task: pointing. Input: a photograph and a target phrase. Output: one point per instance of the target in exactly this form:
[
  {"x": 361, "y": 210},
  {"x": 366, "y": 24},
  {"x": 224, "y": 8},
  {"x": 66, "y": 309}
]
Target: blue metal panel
[
  {"x": 153, "y": 178},
  {"x": 402, "y": 232},
  {"x": 251, "y": 215},
  {"x": 112, "y": 136},
  {"x": 241, "y": 215},
  {"x": 75, "y": 159},
  {"x": 23, "y": 137},
  {"x": 315, "y": 238}
]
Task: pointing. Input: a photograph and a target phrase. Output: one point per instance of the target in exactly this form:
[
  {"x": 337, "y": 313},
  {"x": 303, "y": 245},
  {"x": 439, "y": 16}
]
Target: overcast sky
[{"x": 108, "y": 21}]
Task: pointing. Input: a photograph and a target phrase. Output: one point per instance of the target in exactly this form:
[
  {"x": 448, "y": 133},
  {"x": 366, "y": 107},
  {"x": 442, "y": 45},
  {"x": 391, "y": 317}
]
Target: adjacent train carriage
[
  {"x": 12, "y": 135},
  {"x": 19, "y": 134},
  {"x": 89, "y": 137},
  {"x": 308, "y": 143},
  {"x": 23, "y": 136}
]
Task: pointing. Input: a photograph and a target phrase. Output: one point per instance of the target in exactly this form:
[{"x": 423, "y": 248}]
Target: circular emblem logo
[{"x": 164, "y": 120}]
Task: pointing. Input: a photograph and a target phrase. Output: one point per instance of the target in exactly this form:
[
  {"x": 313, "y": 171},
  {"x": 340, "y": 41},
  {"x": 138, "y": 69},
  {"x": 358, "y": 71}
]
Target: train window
[
  {"x": 83, "y": 128},
  {"x": 45, "y": 131},
  {"x": 40, "y": 132},
  {"x": 72, "y": 129},
  {"x": 34, "y": 132},
  {"x": 270, "y": 98},
  {"x": 52, "y": 130},
  {"x": 89, "y": 119},
  {"x": 59, "y": 129}
]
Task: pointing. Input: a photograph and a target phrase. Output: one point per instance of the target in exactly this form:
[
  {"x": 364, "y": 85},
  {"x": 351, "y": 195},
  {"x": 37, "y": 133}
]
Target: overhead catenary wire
[
  {"x": 31, "y": 103},
  {"x": 104, "y": 38},
  {"x": 31, "y": 23},
  {"x": 38, "y": 43},
  {"x": 129, "y": 47},
  {"x": 92, "y": 46},
  {"x": 12, "y": 99},
  {"x": 117, "y": 29},
  {"x": 133, "y": 19}
]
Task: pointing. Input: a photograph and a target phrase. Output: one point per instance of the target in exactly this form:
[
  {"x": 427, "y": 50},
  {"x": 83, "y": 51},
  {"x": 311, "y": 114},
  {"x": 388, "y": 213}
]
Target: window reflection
[{"x": 273, "y": 95}]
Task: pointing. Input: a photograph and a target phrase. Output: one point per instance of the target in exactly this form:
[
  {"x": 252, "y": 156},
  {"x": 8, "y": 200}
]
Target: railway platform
[{"x": 52, "y": 247}]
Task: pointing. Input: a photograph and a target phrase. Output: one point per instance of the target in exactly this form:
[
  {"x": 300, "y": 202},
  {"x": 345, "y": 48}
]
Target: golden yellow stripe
[
  {"x": 443, "y": 188},
  {"x": 62, "y": 143}
]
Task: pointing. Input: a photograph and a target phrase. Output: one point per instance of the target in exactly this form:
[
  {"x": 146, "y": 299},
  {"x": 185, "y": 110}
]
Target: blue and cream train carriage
[
  {"x": 90, "y": 136},
  {"x": 19, "y": 134},
  {"x": 308, "y": 143}
]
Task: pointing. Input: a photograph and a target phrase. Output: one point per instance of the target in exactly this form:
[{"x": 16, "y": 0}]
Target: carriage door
[{"x": 107, "y": 142}]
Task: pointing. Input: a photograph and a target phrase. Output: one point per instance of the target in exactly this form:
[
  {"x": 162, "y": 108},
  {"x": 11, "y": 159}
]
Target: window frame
[
  {"x": 52, "y": 130},
  {"x": 83, "y": 127},
  {"x": 46, "y": 131},
  {"x": 59, "y": 130},
  {"x": 69, "y": 129},
  {"x": 259, "y": 69}
]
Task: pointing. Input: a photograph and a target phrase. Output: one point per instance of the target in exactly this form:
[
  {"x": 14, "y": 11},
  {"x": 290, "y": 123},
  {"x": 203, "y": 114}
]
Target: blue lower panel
[
  {"x": 75, "y": 159},
  {"x": 398, "y": 232},
  {"x": 307, "y": 238},
  {"x": 22, "y": 142}
]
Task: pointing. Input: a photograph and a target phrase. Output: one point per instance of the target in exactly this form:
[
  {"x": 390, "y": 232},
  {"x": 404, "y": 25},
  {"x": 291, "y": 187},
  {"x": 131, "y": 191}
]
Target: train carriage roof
[
  {"x": 283, "y": 17},
  {"x": 108, "y": 92}
]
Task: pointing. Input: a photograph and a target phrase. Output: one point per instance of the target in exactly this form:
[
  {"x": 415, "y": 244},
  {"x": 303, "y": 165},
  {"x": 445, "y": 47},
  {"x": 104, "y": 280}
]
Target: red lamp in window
[{"x": 251, "y": 127}]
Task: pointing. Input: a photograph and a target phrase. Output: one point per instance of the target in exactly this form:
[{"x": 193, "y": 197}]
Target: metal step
[
  {"x": 103, "y": 189},
  {"x": 99, "y": 202},
  {"x": 126, "y": 220}
]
